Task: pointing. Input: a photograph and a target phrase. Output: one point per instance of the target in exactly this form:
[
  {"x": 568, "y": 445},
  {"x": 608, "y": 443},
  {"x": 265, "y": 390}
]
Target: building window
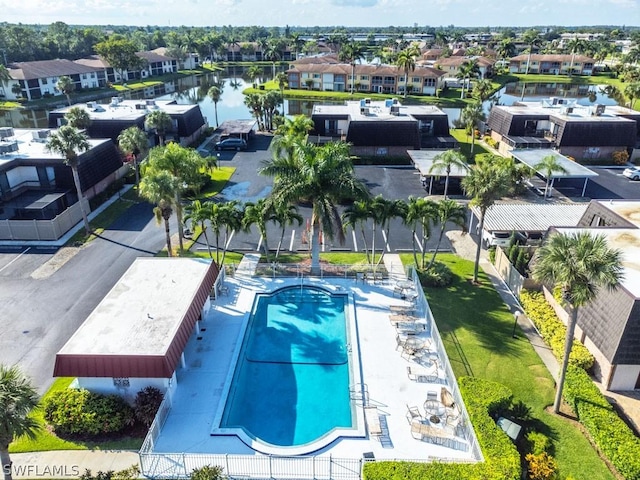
[
  {"x": 382, "y": 151},
  {"x": 364, "y": 77},
  {"x": 415, "y": 79},
  {"x": 121, "y": 382}
]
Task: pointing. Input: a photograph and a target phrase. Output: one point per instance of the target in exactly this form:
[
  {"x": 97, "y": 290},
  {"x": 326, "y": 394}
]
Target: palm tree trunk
[
  {"x": 406, "y": 83},
  {"x": 423, "y": 249},
  {"x": 413, "y": 246},
  {"x": 280, "y": 243},
  {"x": 364, "y": 241},
  {"x": 568, "y": 343},
  {"x": 76, "y": 180},
  {"x": 215, "y": 109},
  {"x": 353, "y": 76},
  {"x": 433, "y": 259},
  {"x": 315, "y": 248},
  {"x": 373, "y": 243},
  {"x": 218, "y": 249},
  {"x": 135, "y": 168},
  {"x": 167, "y": 233},
  {"x": 180, "y": 226},
  {"x": 265, "y": 246},
  {"x": 446, "y": 185},
  {"x": 5, "y": 462},
  {"x": 546, "y": 188},
  {"x": 477, "y": 263},
  {"x": 206, "y": 239}
]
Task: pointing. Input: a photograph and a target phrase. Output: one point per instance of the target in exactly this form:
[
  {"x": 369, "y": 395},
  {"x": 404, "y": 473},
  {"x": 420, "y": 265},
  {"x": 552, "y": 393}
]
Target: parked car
[
  {"x": 632, "y": 172},
  {"x": 501, "y": 239},
  {"x": 232, "y": 143}
]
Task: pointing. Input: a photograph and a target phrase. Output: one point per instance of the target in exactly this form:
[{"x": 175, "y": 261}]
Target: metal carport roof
[{"x": 531, "y": 217}]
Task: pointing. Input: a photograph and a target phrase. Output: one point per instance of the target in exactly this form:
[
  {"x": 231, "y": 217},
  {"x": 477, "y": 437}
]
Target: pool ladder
[{"x": 359, "y": 392}]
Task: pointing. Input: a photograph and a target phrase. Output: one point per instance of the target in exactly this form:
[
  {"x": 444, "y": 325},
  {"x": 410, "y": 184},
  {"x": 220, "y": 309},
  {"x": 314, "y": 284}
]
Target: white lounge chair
[
  {"x": 372, "y": 418},
  {"x": 413, "y": 414},
  {"x": 418, "y": 374}
]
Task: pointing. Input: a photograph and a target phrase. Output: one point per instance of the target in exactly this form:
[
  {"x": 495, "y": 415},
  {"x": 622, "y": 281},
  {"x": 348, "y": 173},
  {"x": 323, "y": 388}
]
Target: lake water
[{"x": 193, "y": 89}]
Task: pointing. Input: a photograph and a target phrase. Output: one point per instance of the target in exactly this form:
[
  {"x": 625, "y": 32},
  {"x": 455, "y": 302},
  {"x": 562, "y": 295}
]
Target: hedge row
[
  {"x": 502, "y": 460},
  {"x": 553, "y": 330},
  {"x": 611, "y": 435}
]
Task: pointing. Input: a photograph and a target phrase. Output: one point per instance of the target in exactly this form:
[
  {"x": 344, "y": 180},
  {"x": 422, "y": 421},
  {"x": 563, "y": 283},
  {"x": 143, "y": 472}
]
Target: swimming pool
[{"x": 291, "y": 382}]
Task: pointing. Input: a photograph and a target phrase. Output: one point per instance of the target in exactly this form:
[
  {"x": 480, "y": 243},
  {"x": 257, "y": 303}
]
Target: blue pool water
[{"x": 291, "y": 384}]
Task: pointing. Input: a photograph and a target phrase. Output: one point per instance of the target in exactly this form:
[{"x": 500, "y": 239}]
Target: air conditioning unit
[
  {"x": 150, "y": 102},
  {"x": 395, "y": 110},
  {"x": 599, "y": 110},
  {"x": 367, "y": 101},
  {"x": 6, "y": 132},
  {"x": 567, "y": 110},
  {"x": 141, "y": 106},
  {"x": 8, "y": 147},
  {"x": 115, "y": 101},
  {"x": 91, "y": 105},
  {"x": 364, "y": 111},
  {"x": 40, "y": 135}
]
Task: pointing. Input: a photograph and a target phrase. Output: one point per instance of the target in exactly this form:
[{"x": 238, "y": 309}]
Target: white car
[{"x": 632, "y": 172}]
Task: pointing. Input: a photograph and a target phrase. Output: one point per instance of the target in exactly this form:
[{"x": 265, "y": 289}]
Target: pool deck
[{"x": 211, "y": 354}]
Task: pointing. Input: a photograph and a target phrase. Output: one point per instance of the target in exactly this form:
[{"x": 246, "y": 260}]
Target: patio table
[{"x": 434, "y": 407}]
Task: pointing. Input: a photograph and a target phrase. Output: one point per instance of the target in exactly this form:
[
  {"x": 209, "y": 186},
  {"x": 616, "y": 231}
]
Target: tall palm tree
[
  {"x": 548, "y": 166},
  {"x": 133, "y": 141},
  {"x": 468, "y": 70},
  {"x": 199, "y": 213},
  {"x": 282, "y": 80},
  {"x": 580, "y": 264},
  {"x": 385, "y": 211},
  {"x": 575, "y": 45},
  {"x": 632, "y": 91},
  {"x": 259, "y": 214},
  {"x": 254, "y": 72},
  {"x": 17, "y": 399},
  {"x": 356, "y": 216},
  {"x": 254, "y": 102},
  {"x": 445, "y": 161},
  {"x": 406, "y": 61},
  {"x": 471, "y": 115},
  {"x": 352, "y": 53},
  {"x": 485, "y": 183},
  {"x": 159, "y": 187},
  {"x": 506, "y": 48},
  {"x": 230, "y": 217},
  {"x": 186, "y": 165},
  {"x": 532, "y": 39},
  {"x": 215, "y": 94},
  {"x": 68, "y": 141},
  {"x": 272, "y": 53},
  {"x": 323, "y": 176},
  {"x": 482, "y": 90},
  {"x": 421, "y": 213},
  {"x": 66, "y": 86},
  {"x": 78, "y": 118},
  {"x": 160, "y": 122},
  {"x": 285, "y": 215},
  {"x": 448, "y": 211}
]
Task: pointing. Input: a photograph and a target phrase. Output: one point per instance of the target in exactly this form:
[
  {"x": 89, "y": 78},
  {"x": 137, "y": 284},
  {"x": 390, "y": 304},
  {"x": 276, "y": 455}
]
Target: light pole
[{"x": 516, "y": 316}]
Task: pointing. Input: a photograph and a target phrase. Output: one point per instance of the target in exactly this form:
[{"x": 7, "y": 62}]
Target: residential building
[
  {"x": 451, "y": 65},
  {"x": 155, "y": 63},
  {"x": 38, "y": 198},
  {"x": 381, "y": 128},
  {"x": 574, "y": 130},
  {"x": 39, "y": 79},
  {"x": 108, "y": 120},
  {"x": 325, "y": 73},
  {"x": 552, "y": 64}
]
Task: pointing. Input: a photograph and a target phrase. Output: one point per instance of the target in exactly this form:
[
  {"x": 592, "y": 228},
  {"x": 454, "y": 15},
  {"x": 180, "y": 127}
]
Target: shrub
[
  {"x": 208, "y": 473},
  {"x": 75, "y": 411},
  {"x": 538, "y": 443},
  {"x": 439, "y": 275},
  {"x": 130, "y": 473},
  {"x": 492, "y": 254},
  {"x": 553, "y": 330},
  {"x": 542, "y": 466},
  {"x": 520, "y": 411},
  {"x": 146, "y": 405},
  {"x": 620, "y": 157}
]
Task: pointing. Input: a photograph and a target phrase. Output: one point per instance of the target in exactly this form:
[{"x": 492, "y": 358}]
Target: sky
[{"x": 309, "y": 13}]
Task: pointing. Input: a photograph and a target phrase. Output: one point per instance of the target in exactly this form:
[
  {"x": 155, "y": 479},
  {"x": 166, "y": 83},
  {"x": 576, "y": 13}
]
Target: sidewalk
[{"x": 70, "y": 463}]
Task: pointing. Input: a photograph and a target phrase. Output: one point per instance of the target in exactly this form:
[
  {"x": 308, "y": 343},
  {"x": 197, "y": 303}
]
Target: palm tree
[
  {"x": 448, "y": 211},
  {"x": 17, "y": 399},
  {"x": 159, "y": 187},
  {"x": 468, "y": 69},
  {"x": 66, "y": 86},
  {"x": 272, "y": 53},
  {"x": 352, "y": 53},
  {"x": 215, "y": 94},
  {"x": 160, "y": 122},
  {"x": 485, "y": 183},
  {"x": 385, "y": 211},
  {"x": 5, "y": 75},
  {"x": 78, "y": 118},
  {"x": 548, "y": 166},
  {"x": 356, "y": 216},
  {"x": 16, "y": 89},
  {"x": 285, "y": 215},
  {"x": 406, "y": 61},
  {"x": 530, "y": 38},
  {"x": 282, "y": 80},
  {"x": 230, "y": 217},
  {"x": 632, "y": 91},
  {"x": 323, "y": 176},
  {"x": 68, "y": 141},
  {"x": 421, "y": 213},
  {"x": 133, "y": 141},
  {"x": 254, "y": 102},
  {"x": 199, "y": 213},
  {"x": 482, "y": 90},
  {"x": 471, "y": 115},
  {"x": 506, "y": 48},
  {"x": 580, "y": 264},
  {"x": 259, "y": 214},
  {"x": 254, "y": 72},
  {"x": 445, "y": 161}
]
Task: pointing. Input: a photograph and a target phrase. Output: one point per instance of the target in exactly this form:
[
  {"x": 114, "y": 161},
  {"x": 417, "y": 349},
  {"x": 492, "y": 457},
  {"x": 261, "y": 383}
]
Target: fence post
[
  {"x": 330, "y": 467},
  {"x": 226, "y": 463},
  {"x": 270, "y": 467}
]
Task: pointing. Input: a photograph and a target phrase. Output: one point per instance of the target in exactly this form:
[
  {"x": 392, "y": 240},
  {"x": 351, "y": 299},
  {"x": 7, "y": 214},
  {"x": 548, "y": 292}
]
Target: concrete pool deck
[{"x": 209, "y": 364}]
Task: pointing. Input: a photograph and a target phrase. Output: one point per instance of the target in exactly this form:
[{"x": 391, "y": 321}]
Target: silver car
[{"x": 632, "y": 172}]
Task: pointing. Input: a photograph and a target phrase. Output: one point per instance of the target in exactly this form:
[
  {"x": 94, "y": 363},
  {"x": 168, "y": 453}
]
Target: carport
[
  {"x": 237, "y": 128},
  {"x": 532, "y": 157},
  {"x": 423, "y": 160}
]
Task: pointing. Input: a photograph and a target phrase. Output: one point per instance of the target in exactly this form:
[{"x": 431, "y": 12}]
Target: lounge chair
[
  {"x": 428, "y": 433},
  {"x": 414, "y": 414},
  {"x": 373, "y": 421},
  {"x": 418, "y": 374}
]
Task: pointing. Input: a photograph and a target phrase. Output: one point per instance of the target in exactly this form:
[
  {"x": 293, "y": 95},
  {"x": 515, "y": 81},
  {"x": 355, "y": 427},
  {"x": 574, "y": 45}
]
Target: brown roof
[
  {"x": 47, "y": 68},
  {"x": 155, "y": 56},
  {"x": 457, "y": 61},
  {"x": 317, "y": 59},
  {"x": 538, "y": 57},
  {"x": 142, "y": 326},
  {"x": 381, "y": 70},
  {"x": 95, "y": 61}
]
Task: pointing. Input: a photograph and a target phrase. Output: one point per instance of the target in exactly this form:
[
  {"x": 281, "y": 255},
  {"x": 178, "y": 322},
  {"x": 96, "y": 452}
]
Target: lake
[{"x": 193, "y": 89}]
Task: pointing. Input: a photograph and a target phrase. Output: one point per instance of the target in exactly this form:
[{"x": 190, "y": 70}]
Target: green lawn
[
  {"x": 476, "y": 330},
  {"x": 46, "y": 440},
  {"x": 465, "y": 143}
]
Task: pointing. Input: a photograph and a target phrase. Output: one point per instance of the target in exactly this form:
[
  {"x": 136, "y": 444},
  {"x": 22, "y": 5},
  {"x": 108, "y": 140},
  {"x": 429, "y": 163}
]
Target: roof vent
[
  {"x": 40, "y": 135},
  {"x": 91, "y": 105},
  {"x": 599, "y": 110},
  {"x": 115, "y": 101}
]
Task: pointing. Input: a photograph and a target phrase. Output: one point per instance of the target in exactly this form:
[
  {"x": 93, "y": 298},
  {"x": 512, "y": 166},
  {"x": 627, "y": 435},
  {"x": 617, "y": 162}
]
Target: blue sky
[{"x": 472, "y": 13}]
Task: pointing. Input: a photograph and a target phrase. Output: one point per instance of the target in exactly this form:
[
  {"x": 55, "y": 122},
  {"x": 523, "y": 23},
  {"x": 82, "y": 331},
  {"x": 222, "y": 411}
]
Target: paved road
[{"x": 42, "y": 307}]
